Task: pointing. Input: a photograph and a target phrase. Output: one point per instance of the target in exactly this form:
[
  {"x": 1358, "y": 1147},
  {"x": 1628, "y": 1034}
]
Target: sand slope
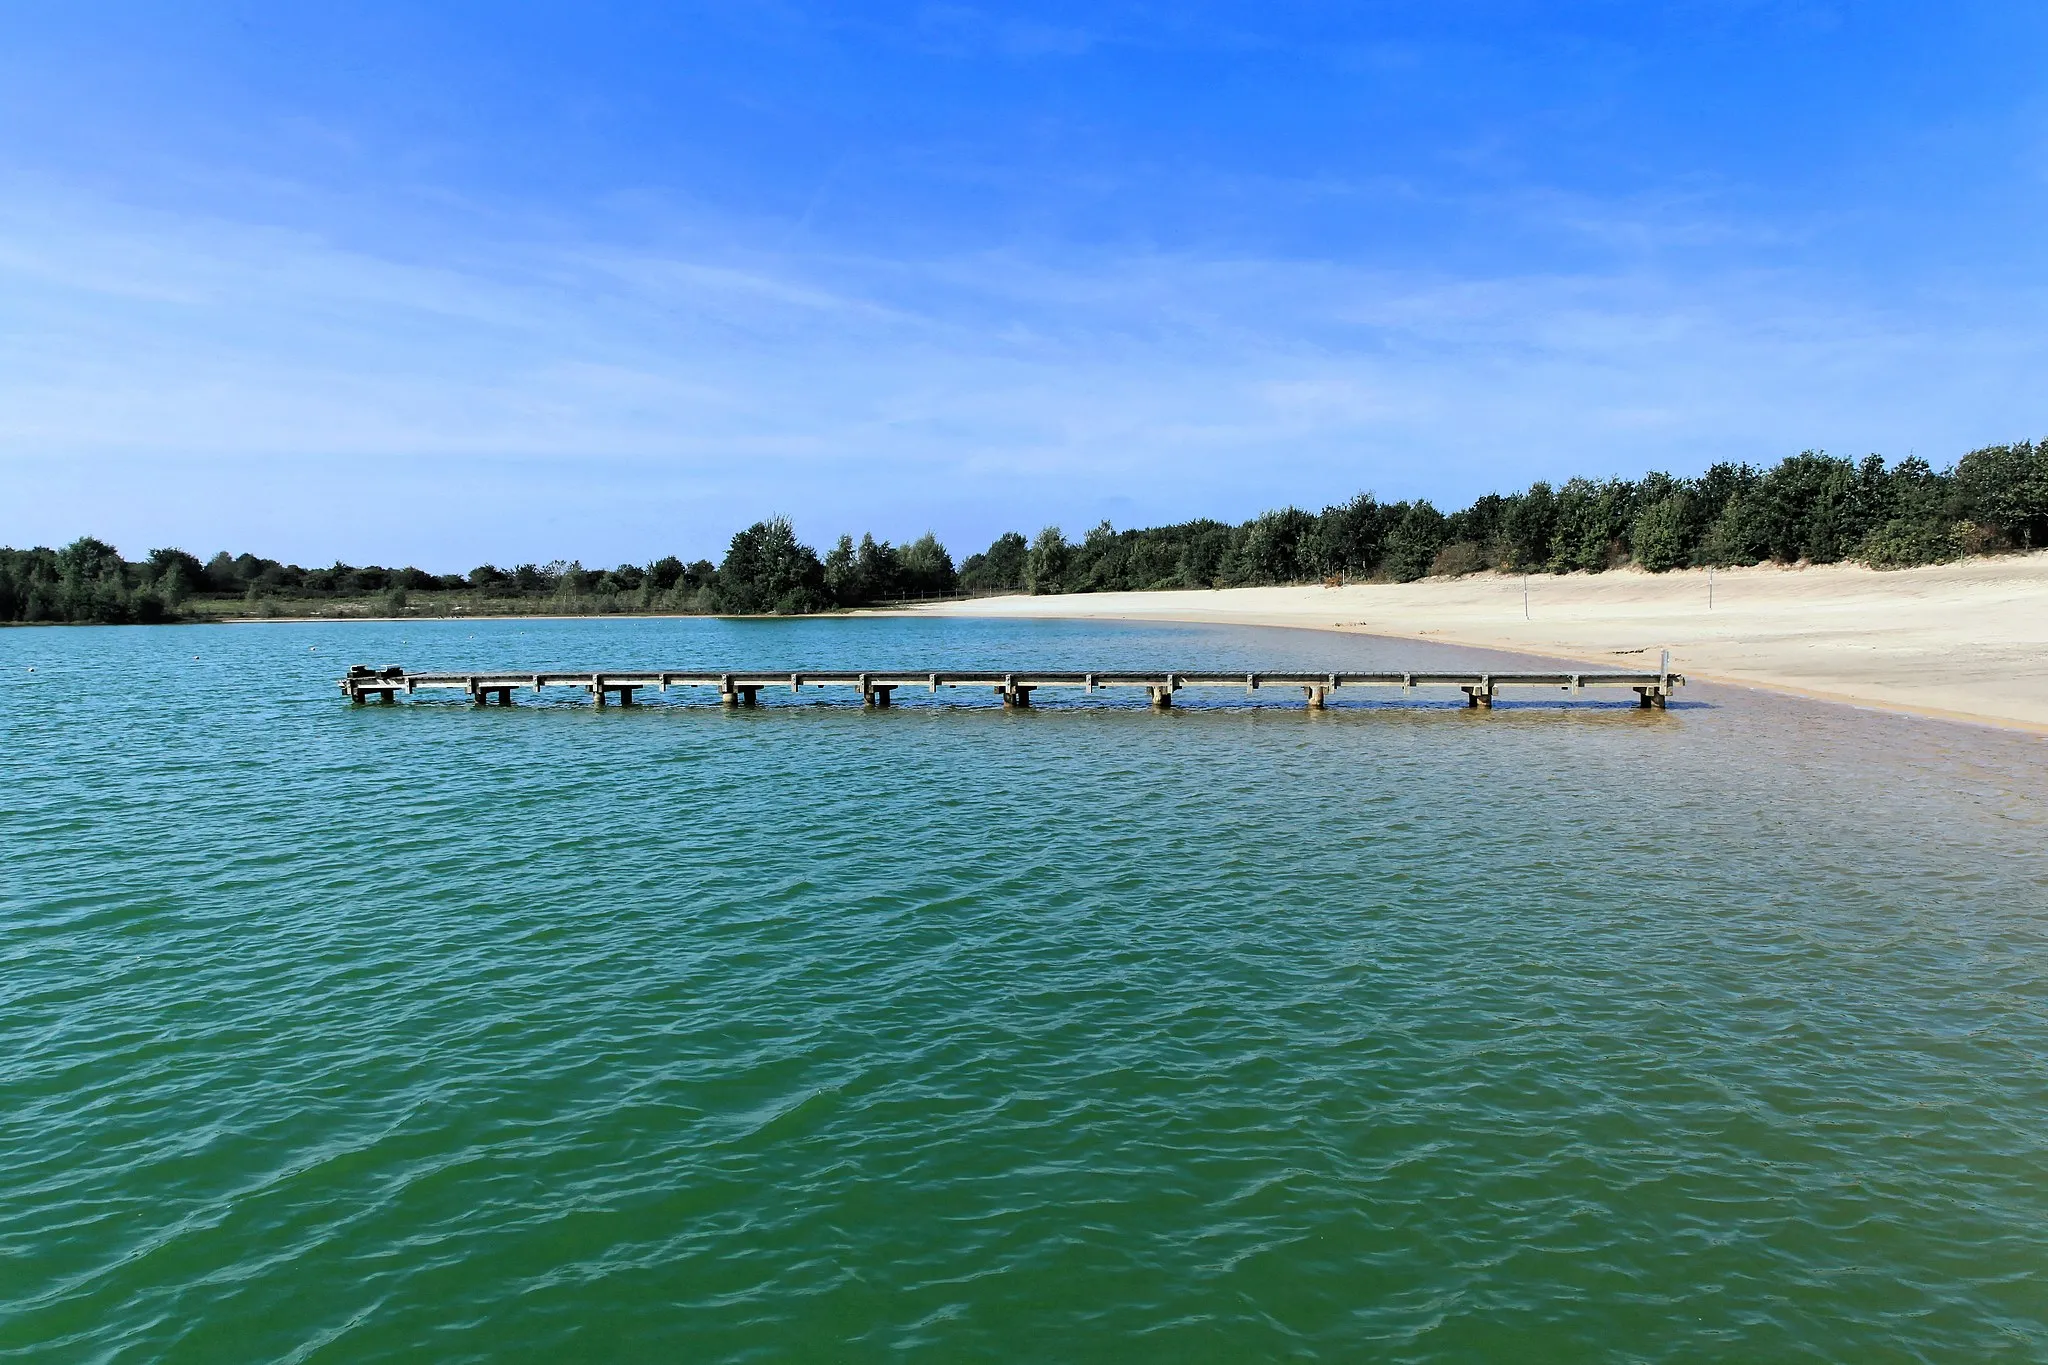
[{"x": 1967, "y": 641}]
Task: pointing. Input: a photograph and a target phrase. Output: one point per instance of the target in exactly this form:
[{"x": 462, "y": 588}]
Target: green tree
[
  {"x": 1805, "y": 509},
  {"x": 999, "y": 568},
  {"x": 1738, "y": 535},
  {"x": 1045, "y": 567},
  {"x": 1591, "y": 525},
  {"x": 1413, "y": 543},
  {"x": 1270, "y": 548},
  {"x": 1528, "y": 521},
  {"x": 927, "y": 569},
  {"x": 2006, "y": 488},
  {"x": 1662, "y": 535},
  {"x": 767, "y": 569}
]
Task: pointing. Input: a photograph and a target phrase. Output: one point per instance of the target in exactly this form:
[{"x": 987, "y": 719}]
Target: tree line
[{"x": 1811, "y": 507}]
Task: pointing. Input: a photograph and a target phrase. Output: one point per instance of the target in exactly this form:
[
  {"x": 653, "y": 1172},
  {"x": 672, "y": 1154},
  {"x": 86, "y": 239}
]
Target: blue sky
[{"x": 464, "y": 281}]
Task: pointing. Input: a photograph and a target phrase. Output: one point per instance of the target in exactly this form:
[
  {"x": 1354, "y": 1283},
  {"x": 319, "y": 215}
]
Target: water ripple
[{"x": 1233, "y": 1033}]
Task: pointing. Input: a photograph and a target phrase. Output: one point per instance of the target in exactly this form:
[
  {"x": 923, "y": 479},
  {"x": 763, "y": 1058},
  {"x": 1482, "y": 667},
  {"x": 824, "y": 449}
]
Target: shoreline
[{"x": 1961, "y": 643}]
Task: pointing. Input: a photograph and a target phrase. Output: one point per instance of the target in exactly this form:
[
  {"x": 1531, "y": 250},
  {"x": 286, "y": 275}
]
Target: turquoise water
[{"x": 1395, "y": 1032}]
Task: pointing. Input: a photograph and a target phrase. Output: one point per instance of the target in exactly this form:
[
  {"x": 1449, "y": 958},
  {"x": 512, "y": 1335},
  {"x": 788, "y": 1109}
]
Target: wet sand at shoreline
[{"x": 1962, "y": 641}]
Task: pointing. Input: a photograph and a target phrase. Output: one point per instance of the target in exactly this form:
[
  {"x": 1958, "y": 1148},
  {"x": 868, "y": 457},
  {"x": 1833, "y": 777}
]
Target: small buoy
[{"x": 31, "y": 670}]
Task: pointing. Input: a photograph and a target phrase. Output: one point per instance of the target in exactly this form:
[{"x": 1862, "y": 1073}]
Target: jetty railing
[{"x": 743, "y": 687}]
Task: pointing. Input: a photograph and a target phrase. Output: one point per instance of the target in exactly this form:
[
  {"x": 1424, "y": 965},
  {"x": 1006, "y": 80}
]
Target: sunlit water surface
[{"x": 1400, "y": 1032}]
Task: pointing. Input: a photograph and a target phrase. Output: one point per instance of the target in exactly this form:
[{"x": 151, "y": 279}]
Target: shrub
[
  {"x": 1661, "y": 535},
  {"x": 1457, "y": 560},
  {"x": 1901, "y": 543},
  {"x": 1413, "y": 543}
]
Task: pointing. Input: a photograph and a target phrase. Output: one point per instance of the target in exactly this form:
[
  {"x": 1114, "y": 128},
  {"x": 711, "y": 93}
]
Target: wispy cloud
[{"x": 969, "y": 392}]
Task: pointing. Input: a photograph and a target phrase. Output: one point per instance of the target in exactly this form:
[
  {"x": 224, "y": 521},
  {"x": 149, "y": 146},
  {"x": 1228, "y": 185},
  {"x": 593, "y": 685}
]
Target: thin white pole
[
  {"x": 1710, "y": 587},
  {"x": 1525, "y": 597}
]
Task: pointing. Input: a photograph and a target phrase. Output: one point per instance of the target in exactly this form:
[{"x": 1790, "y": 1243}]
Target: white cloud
[{"x": 610, "y": 397}]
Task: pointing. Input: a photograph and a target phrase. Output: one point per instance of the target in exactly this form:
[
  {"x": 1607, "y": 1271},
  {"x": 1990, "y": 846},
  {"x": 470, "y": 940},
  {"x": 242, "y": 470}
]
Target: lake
[{"x": 1400, "y": 1032}]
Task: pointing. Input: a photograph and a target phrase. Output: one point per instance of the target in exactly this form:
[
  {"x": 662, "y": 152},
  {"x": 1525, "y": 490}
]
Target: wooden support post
[
  {"x": 355, "y": 695},
  {"x": 867, "y": 691},
  {"x": 1317, "y": 698},
  {"x": 882, "y": 697},
  {"x": 1162, "y": 698},
  {"x": 726, "y": 696},
  {"x": 750, "y": 696},
  {"x": 504, "y": 696},
  {"x": 1643, "y": 701},
  {"x": 625, "y": 696}
]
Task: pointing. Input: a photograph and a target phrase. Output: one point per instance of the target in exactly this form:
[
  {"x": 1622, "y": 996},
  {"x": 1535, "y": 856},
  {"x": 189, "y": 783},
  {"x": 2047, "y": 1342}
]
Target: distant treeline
[{"x": 1811, "y": 507}]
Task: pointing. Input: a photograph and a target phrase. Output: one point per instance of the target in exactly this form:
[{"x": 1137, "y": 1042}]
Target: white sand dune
[{"x": 1962, "y": 641}]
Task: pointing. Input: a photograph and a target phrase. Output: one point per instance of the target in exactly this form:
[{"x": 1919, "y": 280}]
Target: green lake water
[{"x": 1566, "y": 1032}]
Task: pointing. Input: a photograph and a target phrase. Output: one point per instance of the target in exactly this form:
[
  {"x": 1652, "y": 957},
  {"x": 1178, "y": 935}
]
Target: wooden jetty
[{"x": 743, "y": 688}]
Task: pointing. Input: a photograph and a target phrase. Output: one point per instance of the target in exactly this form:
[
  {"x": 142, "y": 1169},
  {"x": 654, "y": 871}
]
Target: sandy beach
[{"x": 1962, "y": 641}]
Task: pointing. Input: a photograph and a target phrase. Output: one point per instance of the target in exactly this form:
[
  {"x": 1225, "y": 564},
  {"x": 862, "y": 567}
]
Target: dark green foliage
[
  {"x": 2005, "y": 488},
  {"x": 767, "y": 569},
  {"x": 1045, "y": 567},
  {"x": 927, "y": 569},
  {"x": 1204, "y": 550},
  {"x": 1413, "y": 543},
  {"x": 876, "y": 571},
  {"x": 1904, "y": 541},
  {"x": 1269, "y": 550},
  {"x": 1737, "y": 536},
  {"x": 1000, "y": 569},
  {"x": 1527, "y": 523},
  {"x": 87, "y": 581},
  {"x": 1346, "y": 538},
  {"x": 1590, "y": 529},
  {"x": 1664, "y": 535},
  {"x": 855, "y": 577},
  {"x": 1812, "y": 507}
]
